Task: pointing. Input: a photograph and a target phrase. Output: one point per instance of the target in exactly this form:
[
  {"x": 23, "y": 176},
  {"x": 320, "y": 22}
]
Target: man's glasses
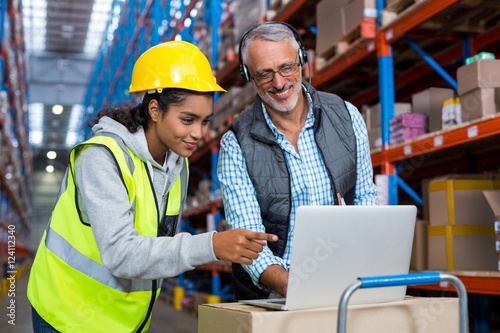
[{"x": 267, "y": 76}]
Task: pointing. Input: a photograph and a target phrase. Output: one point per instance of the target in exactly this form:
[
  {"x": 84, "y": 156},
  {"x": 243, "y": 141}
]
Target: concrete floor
[{"x": 165, "y": 318}]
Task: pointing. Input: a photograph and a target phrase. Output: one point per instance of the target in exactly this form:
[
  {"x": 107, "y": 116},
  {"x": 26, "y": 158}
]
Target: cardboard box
[
  {"x": 356, "y": 10},
  {"x": 493, "y": 198},
  {"x": 462, "y": 247},
  {"x": 479, "y": 74},
  {"x": 330, "y": 24},
  {"x": 372, "y": 113},
  {"x": 419, "y": 256},
  {"x": 480, "y": 102},
  {"x": 375, "y": 138},
  {"x": 430, "y": 102},
  {"x": 459, "y": 200},
  {"x": 430, "y": 315}
]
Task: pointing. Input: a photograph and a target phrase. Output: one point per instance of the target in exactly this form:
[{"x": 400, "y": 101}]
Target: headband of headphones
[{"x": 302, "y": 54}]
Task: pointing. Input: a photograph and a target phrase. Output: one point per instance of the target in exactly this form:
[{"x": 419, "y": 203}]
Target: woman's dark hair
[{"x": 134, "y": 116}]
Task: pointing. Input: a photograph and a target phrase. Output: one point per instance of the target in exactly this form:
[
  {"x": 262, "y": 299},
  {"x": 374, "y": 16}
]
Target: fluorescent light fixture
[
  {"x": 73, "y": 136},
  {"x": 49, "y": 168},
  {"x": 35, "y": 22},
  {"x": 35, "y": 116},
  {"x": 103, "y": 13}
]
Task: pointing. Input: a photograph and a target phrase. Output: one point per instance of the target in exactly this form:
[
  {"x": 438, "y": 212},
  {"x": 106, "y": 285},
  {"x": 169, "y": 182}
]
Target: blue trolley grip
[{"x": 401, "y": 280}]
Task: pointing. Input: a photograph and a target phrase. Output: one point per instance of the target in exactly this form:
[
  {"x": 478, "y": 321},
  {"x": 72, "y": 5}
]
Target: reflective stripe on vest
[{"x": 69, "y": 286}]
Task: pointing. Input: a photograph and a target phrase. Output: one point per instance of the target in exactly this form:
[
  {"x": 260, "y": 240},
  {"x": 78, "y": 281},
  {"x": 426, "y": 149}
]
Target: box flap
[{"x": 493, "y": 198}]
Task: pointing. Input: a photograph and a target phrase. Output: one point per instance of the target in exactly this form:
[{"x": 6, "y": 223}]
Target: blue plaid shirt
[{"x": 310, "y": 184}]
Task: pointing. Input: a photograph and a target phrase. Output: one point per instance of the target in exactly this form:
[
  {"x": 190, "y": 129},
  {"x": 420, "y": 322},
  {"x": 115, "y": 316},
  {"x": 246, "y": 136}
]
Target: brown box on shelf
[
  {"x": 356, "y": 10},
  {"x": 392, "y": 317},
  {"x": 459, "y": 200},
  {"x": 372, "y": 113},
  {"x": 419, "y": 250},
  {"x": 330, "y": 24},
  {"x": 462, "y": 247},
  {"x": 483, "y": 73},
  {"x": 493, "y": 198},
  {"x": 430, "y": 102},
  {"x": 375, "y": 138},
  {"x": 246, "y": 14},
  {"x": 480, "y": 102}
]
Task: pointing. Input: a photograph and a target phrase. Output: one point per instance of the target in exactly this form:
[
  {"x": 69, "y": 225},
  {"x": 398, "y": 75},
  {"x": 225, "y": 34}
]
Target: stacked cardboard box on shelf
[
  {"x": 419, "y": 256},
  {"x": 430, "y": 101},
  {"x": 371, "y": 115},
  {"x": 461, "y": 231},
  {"x": 246, "y": 14},
  {"x": 479, "y": 88},
  {"x": 493, "y": 198},
  {"x": 339, "y": 23}
]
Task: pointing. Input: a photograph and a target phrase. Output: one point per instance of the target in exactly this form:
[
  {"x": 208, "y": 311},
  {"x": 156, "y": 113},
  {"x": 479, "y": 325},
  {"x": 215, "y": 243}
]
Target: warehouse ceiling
[{"x": 62, "y": 39}]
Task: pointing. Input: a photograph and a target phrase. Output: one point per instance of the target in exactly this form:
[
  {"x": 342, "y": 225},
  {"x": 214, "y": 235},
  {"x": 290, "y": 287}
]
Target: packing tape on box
[
  {"x": 448, "y": 231},
  {"x": 451, "y": 185}
]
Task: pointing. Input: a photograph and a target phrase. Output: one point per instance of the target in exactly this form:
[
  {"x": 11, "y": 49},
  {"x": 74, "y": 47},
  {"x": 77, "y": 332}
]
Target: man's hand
[
  {"x": 275, "y": 277},
  {"x": 240, "y": 245}
]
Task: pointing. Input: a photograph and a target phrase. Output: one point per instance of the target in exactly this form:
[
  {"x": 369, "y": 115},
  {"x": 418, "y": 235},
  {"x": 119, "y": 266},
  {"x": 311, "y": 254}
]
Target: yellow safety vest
[{"x": 69, "y": 286}]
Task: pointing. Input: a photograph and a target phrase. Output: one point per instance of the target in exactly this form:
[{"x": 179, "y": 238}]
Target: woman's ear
[{"x": 154, "y": 110}]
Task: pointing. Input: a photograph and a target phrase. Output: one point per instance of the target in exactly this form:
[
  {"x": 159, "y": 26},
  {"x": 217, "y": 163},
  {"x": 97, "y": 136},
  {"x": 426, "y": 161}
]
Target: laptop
[{"x": 334, "y": 245}]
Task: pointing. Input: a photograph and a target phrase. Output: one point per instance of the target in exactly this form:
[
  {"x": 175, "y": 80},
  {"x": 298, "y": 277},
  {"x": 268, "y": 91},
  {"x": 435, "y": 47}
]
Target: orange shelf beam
[
  {"x": 472, "y": 131},
  {"x": 226, "y": 71},
  {"x": 291, "y": 8},
  {"x": 346, "y": 60},
  {"x": 475, "y": 283},
  {"x": 423, "y": 12}
]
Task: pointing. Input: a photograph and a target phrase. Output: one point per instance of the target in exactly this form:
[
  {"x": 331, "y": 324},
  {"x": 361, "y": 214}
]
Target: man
[{"x": 293, "y": 146}]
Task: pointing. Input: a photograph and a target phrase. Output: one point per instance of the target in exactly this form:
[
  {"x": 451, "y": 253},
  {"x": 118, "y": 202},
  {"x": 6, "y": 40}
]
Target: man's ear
[{"x": 154, "y": 110}]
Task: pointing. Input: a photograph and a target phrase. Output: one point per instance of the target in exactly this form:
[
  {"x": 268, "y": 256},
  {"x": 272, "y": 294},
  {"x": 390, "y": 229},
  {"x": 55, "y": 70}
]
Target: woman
[{"x": 111, "y": 238}]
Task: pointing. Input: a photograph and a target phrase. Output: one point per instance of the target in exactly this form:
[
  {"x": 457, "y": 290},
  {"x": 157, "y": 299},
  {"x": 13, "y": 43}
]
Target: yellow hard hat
[{"x": 173, "y": 64}]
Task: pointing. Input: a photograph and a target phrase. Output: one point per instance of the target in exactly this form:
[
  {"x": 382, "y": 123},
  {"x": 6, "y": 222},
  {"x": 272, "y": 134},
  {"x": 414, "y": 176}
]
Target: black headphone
[{"x": 245, "y": 73}]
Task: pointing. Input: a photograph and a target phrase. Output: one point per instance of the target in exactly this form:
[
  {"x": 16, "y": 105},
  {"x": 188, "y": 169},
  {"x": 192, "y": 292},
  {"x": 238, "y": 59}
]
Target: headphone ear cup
[
  {"x": 244, "y": 73},
  {"x": 302, "y": 56}
]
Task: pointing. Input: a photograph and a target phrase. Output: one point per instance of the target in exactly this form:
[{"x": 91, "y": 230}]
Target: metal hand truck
[{"x": 401, "y": 280}]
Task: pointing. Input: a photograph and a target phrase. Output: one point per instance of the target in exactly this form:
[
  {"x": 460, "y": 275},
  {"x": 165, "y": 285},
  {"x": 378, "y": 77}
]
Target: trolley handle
[{"x": 400, "y": 280}]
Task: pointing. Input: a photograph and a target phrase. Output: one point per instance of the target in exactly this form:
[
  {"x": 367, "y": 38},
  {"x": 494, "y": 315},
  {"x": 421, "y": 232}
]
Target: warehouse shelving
[{"x": 15, "y": 152}]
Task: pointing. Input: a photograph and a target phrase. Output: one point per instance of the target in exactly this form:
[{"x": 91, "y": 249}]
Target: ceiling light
[
  {"x": 74, "y": 126},
  {"x": 57, "y": 109},
  {"x": 51, "y": 155},
  {"x": 49, "y": 168},
  {"x": 35, "y": 115}
]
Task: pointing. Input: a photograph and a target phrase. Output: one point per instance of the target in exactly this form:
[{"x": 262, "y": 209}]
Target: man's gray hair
[{"x": 270, "y": 31}]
